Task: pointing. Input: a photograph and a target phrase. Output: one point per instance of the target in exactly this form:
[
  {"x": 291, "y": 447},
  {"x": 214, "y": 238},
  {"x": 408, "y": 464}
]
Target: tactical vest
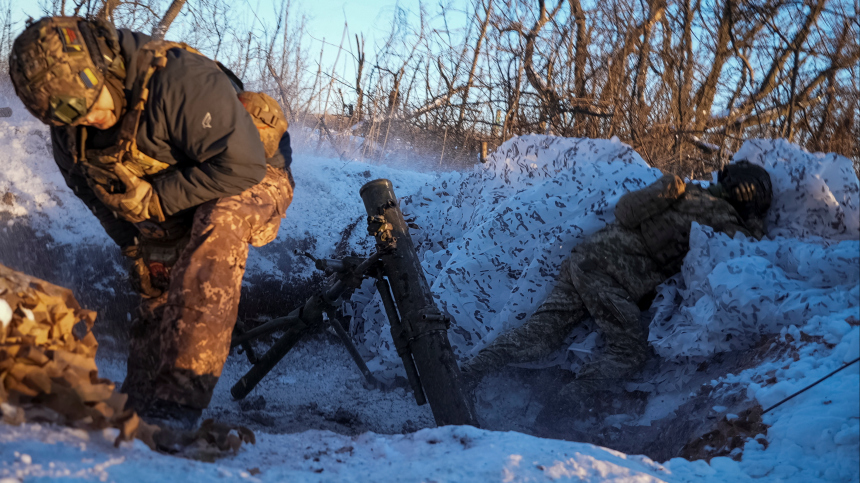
[{"x": 97, "y": 165}]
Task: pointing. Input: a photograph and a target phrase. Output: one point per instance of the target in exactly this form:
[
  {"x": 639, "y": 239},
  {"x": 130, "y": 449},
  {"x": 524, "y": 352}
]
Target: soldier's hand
[
  {"x": 744, "y": 192},
  {"x": 138, "y": 273},
  {"x": 139, "y": 202}
]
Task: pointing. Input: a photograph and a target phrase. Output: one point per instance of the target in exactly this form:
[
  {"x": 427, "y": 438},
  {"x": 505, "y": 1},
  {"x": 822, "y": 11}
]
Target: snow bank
[
  {"x": 815, "y": 436},
  {"x": 325, "y": 204},
  {"x": 463, "y": 454},
  {"x": 809, "y": 295},
  {"x": 492, "y": 239},
  {"x": 326, "y": 214},
  {"x": 733, "y": 291},
  {"x": 815, "y": 194},
  {"x": 33, "y": 188}
]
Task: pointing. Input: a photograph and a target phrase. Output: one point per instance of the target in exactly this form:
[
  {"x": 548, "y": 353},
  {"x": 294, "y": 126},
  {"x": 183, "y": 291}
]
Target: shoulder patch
[{"x": 207, "y": 121}]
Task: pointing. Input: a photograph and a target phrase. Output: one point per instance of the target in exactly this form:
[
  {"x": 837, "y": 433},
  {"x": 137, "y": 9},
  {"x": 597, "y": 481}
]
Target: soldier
[
  {"x": 183, "y": 170},
  {"x": 614, "y": 273}
]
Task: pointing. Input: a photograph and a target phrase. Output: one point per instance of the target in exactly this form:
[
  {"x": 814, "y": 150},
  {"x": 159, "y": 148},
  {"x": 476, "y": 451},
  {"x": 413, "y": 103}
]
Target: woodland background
[{"x": 684, "y": 82}]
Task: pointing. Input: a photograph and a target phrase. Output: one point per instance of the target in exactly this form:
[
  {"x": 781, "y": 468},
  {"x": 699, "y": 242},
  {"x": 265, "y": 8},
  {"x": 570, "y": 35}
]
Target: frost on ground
[{"x": 747, "y": 322}]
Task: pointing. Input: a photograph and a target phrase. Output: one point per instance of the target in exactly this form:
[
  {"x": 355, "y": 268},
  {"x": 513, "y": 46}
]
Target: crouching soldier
[
  {"x": 614, "y": 273},
  {"x": 183, "y": 170}
]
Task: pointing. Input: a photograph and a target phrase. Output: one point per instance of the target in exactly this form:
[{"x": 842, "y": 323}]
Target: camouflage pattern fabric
[
  {"x": 187, "y": 331},
  {"x": 53, "y": 70},
  {"x": 268, "y": 117},
  {"x": 605, "y": 277},
  {"x": 611, "y": 276},
  {"x": 636, "y": 206},
  {"x": 144, "y": 352},
  {"x": 667, "y": 235},
  {"x": 48, "y": 371}
]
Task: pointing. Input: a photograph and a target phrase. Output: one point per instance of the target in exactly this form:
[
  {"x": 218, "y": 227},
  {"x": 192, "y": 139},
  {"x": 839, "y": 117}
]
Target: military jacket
[
  {"x": 193, "y": 121},
  {"x": 664, "y": 212}
]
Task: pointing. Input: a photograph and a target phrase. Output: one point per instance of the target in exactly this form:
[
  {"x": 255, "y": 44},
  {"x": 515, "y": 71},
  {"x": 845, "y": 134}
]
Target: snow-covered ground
[
  {"x": 454, "y": 453},
  {"x": 491, "y": 240}
]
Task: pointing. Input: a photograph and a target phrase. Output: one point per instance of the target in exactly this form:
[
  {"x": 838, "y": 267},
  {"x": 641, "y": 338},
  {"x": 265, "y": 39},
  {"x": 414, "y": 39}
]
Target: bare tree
[
  {"x": 683, "y": 81},
  {"x": 160, "y": 30}
]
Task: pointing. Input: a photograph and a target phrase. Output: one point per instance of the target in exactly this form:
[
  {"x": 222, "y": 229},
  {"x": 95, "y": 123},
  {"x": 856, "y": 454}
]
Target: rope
[{"x": 810, "y": 386}]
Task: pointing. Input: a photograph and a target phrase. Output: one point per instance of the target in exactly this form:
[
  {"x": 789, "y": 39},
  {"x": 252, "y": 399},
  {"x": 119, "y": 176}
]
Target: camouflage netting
[
  {"x": 48, "y": 373},
  {"x": 47, "y": 362}
]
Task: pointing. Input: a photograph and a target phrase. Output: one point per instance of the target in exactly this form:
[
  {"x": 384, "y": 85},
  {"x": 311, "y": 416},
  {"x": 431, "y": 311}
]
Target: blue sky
[
  {"x": 326, "y": 20},
  {"x": 325, "y": 17}
]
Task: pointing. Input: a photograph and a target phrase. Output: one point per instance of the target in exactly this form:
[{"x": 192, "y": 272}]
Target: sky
[{"x": 326, "y": 18}]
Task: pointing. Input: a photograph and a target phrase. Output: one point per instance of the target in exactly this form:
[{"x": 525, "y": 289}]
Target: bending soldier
[
  {"x": 183, "y": 170},
  {"x": 614, "y": 273}
]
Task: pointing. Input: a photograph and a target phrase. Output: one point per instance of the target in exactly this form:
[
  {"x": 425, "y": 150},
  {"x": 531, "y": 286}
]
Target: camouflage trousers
[
  {"x": 606, "y": 277},
  {"x": 180, "y": 341}
]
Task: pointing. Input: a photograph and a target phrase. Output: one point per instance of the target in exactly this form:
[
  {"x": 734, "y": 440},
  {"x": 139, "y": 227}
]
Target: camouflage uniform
[
  {"x": 611, "y": 276},
  {"x": 191, "y": 169},
  {"x": 181, "y": 339}
]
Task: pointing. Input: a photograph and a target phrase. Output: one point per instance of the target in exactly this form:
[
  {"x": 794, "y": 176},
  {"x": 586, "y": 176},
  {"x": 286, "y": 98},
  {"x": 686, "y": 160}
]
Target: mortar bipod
[
  {"x": 296, "y": 325},
  {"x": 301, "y": 321},
  {"x": 418, "y": 328}
]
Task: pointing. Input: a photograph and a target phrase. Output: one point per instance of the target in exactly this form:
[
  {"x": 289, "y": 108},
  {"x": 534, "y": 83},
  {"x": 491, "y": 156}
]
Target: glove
[
  {"x": 747, "y": 186},
  {"x": 138, "y": 273},
  {"x": 744, "y": 192},
  {"x": 139, "y": 202}
]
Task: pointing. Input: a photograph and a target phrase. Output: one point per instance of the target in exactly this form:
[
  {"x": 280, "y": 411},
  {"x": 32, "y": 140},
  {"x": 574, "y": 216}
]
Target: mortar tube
[{"x": 431, "y": 350}]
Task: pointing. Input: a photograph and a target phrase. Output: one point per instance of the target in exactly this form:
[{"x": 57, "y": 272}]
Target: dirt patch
[
  {"x": 729, "y": 436},
  {"x": 715, "y": 421}
]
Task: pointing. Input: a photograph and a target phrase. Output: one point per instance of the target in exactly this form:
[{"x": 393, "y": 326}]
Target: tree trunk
[
  {"x": 481, "y": 35},
  {"x": 580, "y": 57},
  {"x": 106, "y": 12},
  {"x": 160, "y": 30}
]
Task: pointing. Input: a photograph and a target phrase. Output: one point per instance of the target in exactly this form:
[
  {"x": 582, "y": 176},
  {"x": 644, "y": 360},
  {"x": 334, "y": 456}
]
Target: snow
[
  {"x": 48, "y": 204},
  {"x": 815, "y": 194},
  {"x": 439, "y": 454},
  {"x": 491, "y": 240},
  {"x": 324, "y": 204},
  {"x": 737, "y": 290}
]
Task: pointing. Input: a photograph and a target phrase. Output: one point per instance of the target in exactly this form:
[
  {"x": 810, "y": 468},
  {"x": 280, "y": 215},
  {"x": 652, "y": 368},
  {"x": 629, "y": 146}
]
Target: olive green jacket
[{"x": 664, "y": 211}]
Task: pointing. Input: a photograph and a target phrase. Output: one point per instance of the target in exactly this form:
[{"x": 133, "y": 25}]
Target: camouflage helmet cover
[
  {"x": 52, "y": 70},
  {"x": 268, "y": 117}
]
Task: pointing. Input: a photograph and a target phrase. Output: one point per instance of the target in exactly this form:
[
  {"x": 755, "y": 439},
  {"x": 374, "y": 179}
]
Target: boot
[{"x": 168, "y": 414}]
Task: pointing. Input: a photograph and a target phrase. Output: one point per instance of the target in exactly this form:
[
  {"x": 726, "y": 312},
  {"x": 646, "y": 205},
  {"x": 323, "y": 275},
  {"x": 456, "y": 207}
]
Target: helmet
[
  {"x": 741, "y": 172},
  {"x": 59, "y": 66}
]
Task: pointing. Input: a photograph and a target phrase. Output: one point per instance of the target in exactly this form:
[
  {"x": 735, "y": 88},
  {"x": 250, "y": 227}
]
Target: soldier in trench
[
  {"x": 182, "y": 168},
  {"x": 613, "y": 275}
]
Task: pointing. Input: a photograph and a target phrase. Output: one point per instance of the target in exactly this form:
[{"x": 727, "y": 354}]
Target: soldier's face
[{"x": 102, "y": 115}]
